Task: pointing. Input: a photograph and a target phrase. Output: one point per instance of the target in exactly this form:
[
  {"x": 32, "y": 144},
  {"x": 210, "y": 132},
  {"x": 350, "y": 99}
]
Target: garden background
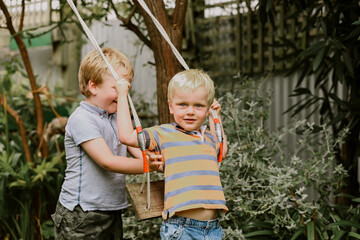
[{"x": 287, "y": 75}]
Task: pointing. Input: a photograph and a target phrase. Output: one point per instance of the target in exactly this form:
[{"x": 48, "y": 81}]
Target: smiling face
[
  {"x": 104, "y": 95},
  {"x": 190, "y": 108}
]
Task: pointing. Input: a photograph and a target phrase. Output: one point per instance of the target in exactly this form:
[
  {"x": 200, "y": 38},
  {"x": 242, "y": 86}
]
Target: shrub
[{"x": 266, "y": 184}]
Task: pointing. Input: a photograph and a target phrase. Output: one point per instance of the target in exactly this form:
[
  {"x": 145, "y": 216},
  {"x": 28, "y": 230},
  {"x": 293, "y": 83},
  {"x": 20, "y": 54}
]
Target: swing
[{"x": 147, "y": 203}]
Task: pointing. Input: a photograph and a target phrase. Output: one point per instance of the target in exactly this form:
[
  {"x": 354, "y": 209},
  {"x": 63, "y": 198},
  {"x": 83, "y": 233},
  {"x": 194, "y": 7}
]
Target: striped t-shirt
[{"x": 191, "y": 169}]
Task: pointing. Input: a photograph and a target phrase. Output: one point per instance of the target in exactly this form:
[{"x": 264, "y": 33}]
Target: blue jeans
[{"x": 186, "y": 228}]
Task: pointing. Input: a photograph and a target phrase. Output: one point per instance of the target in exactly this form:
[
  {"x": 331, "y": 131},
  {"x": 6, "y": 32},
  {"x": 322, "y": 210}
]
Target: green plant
[
  {"x": 266, "y": 184},
  {"x": 27, "y": 193},
  {"x": 28, "y": 189},
  {"x": 328, "y": 71}
]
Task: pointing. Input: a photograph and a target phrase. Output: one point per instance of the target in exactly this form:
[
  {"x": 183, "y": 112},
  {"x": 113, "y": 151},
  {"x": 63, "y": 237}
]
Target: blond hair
[
  {"x": 93, "y": 67},
  {"x": 192, "y": 79}
]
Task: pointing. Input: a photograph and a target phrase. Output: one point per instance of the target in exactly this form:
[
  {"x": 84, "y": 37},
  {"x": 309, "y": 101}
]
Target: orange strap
[
  {"x": 138, "y": 129},
  {"x": 220, "y": 153},
  {"x": 217, "y": 120},
  {"x": 143, "y": 151},
  {"x": 145, "y": 162}
]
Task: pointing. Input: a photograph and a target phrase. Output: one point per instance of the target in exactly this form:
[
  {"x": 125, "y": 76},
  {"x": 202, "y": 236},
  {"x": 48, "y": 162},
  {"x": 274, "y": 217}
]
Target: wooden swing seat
[{"x": 139, "y": 200}]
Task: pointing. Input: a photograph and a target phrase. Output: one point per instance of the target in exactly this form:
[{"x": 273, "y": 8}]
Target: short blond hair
[
  {"x": 192, "y": 79},
  {"x": 94, "y": 67}
]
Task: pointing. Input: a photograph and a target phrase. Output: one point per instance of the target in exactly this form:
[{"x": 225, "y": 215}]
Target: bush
[
  {"x": 266, "y": 183},
  {"x": 28, "y": 190}
]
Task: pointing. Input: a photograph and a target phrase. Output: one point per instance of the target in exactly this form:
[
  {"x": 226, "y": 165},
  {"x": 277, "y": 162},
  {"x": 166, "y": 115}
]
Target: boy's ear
[
  {"x": 92, "y": 87},
  {"x": 170, "y": 108}
]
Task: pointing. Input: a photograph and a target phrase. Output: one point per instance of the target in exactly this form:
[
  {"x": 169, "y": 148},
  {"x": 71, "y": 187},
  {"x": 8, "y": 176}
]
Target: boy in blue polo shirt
[{"x": 93, "y": 192}]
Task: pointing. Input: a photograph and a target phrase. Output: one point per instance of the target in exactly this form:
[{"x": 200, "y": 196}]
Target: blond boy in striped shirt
[{"x": 193, "y": 191}]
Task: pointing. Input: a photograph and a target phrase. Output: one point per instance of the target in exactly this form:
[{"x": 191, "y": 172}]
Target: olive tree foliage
[
  {"x": 133, "y": 17},
  {"x": 333, "y": 60},
  {"x": 266, "y": 186}
]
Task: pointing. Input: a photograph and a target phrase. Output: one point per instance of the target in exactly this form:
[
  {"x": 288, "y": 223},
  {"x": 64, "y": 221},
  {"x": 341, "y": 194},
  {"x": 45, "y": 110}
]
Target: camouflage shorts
[{"x": 78, "y": 224}]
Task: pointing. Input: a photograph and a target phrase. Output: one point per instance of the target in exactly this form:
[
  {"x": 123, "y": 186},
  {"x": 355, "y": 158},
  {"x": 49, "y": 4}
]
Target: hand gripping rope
[
  {"x": 219, "y": 136},
  {"x": 140, "y": 134}
]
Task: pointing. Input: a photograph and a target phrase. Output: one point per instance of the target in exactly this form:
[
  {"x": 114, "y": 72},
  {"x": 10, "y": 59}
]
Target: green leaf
[
  {"x": 259, "y": 233},
  {"x": 338, "y": 70},
  {"x": 312, "y": 50},
  {"x": 257, "y": 224},
  {"x": 319, "y": 58},
  {"x": 338, "y": 101},
  {"x": 297, "y": 234},
  {"x": 337, "y": 44},
  {"x": 354, "y": 34},
  {"x": 324, "y": 29},
  {"x": 344, "y": 223},
  {"x": 310, "y": 230},
  {"x": 348, "y": 63},
  {"x": 355, "y": 235},
  {"x": 325, "y": 106},
  {"x": 321, "y": 235},
  {"x": 339, "y": 234},
  {"x": 301, "y": 91},
  {"x": 269, "y": 4}
]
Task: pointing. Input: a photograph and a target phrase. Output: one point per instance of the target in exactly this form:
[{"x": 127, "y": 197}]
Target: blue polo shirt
[{"x": 86, "y": 183}]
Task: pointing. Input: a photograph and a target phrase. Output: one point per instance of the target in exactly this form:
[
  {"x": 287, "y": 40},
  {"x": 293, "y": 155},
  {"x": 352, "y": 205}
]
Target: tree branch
[
  {"x": 179, "y": 14},
  {"x": 26, "y": 60},
  {"x": 21, "y": 125},
  {"x": 21, "y": 24},
  {"x": 126, "y": 22}
]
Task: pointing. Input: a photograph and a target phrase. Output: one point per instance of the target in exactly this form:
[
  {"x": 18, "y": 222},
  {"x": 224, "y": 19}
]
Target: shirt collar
[
  {"x": 200, "y": 132},
  {"x": 94, "y": 109}
]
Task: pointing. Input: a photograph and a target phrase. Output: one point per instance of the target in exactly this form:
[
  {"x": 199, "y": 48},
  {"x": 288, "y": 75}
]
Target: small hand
[
  {"x": 216, "y": 106},
  {"x": 122, "y": 87},
  {"x": 155, "y": 161}
]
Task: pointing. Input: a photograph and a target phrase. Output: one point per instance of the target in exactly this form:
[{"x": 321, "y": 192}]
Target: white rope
[{"x": 113, "y": 73}]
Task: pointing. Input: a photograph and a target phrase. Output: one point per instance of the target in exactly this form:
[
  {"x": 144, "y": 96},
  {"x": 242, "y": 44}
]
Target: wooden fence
[{"x": 239, "y": 43}]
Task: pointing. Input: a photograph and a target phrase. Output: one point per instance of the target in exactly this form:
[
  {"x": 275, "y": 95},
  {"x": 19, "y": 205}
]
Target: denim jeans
[{"x": 186, "y": 228}]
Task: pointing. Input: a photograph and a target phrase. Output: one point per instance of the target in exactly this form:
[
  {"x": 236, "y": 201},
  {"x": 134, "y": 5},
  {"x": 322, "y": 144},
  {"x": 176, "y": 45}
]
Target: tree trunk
[{"x": 166, "y": 63}]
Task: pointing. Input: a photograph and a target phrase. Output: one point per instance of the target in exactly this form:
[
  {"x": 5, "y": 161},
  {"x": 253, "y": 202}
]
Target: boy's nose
[{"x": 190, "y": 109}]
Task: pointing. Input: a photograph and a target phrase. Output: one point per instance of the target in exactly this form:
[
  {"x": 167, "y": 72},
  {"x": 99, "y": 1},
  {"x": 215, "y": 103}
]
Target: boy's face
[
  {"x": 104, "y": 95},
  {"x": 189, "y": 108}
]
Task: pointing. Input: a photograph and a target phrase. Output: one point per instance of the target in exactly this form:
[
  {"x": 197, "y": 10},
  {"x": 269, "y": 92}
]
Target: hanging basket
[{"x": 139, "y": 199}]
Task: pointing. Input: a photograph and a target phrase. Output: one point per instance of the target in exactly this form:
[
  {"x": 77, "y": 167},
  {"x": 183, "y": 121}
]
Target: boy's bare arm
[
  {"x": 99, "y": 151},
  {"x": 127, "y": 134}
]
